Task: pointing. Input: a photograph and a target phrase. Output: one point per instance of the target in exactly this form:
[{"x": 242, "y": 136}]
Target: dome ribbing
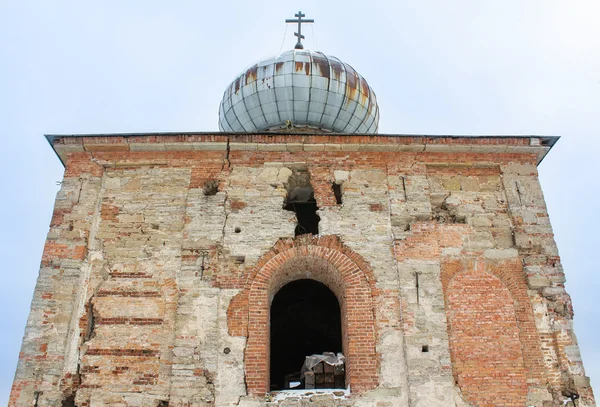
[{"x": 299, "y": 88}]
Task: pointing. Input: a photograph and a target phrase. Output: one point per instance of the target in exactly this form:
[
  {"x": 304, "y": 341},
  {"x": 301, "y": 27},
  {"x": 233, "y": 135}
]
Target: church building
[{"x": 297, "y": 257}]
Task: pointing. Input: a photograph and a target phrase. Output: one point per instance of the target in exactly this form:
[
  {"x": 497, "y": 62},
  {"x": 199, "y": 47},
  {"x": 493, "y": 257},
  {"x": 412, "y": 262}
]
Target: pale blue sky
[{"x": 437, "y": 67}]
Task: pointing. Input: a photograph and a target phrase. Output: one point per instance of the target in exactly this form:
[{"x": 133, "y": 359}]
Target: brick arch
[
  {"x": 326, "y": 260},
  {"x": 487, "y": 306}
]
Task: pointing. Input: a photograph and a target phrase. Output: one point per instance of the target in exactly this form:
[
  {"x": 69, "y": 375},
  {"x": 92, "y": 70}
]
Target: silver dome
[{"x": 300, "y": 87}]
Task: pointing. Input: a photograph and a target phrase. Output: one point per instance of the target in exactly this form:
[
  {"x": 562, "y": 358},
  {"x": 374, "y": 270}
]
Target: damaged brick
[
  {"x": 300, "y": 199},
  {"x": 91, "y": 321},
  {"x": 445, "y": 209},
  {"x": 211, "y": 187},
  {"x": 69, "y": 401}
]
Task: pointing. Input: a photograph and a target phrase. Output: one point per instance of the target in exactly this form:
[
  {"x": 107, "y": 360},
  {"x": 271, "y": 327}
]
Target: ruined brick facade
[{"x": 165, "y": 251}]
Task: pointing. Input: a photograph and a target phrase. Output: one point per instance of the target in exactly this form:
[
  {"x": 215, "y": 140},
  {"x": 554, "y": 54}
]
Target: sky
[{"x": 507, "y": 67}]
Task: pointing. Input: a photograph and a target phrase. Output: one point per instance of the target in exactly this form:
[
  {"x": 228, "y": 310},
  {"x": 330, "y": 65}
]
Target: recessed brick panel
[{"x": 484, "y": 340}]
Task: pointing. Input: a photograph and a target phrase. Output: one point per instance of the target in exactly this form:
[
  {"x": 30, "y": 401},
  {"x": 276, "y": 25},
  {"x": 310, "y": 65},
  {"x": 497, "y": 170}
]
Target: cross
[{"x": 299, "y": 33}]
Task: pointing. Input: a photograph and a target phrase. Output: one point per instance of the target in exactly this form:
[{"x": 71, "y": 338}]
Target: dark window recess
[
  {"x": 301, "y": 200},
  {"x": 337, "y": 192},
  {"x": 305, "y": 320}
]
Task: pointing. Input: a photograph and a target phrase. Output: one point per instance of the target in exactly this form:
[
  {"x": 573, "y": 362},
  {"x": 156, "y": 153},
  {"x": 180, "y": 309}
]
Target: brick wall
[
  {"x": 487, "y": 354},
  {"x": 165, "y": 251}
]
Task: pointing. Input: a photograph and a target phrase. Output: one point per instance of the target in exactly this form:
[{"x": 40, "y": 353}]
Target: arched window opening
[{"x": 305, "y": 320}]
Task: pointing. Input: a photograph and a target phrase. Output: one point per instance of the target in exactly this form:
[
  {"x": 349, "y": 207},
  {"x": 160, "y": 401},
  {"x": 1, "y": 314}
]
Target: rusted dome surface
[{"x": 301, "y": 87}]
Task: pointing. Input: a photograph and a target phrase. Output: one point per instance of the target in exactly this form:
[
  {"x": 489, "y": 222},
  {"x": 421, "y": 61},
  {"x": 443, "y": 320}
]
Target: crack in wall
[
  {"x": 226, "y": 213},
  {"x": 80, "y": 189},
  {"x": 518, "y": 186},
  {"x": 404, "y": 382},
  {"x": 227, "y": 151}
]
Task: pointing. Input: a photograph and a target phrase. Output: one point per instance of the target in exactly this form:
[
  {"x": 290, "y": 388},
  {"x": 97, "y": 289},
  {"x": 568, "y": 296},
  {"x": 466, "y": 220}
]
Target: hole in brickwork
[
  {"x": 211, "y": 187},
  {"x": 69, "y": 401},
  {"x": 300, "y": 199},
  {"x": 425, "y": 348},
  {"x": 163, "y": 403},
  {"x": 237, "y": 230},
  {"x": 91, "y": 321},
  {"x": 305, "y": 320},
  {"x": 337, "y": 192},
  {"x": 445, "y": 210}
]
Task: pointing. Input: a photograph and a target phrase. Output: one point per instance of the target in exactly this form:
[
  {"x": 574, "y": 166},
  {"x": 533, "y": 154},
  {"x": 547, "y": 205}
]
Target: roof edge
[{"x": 542, "y": 144}]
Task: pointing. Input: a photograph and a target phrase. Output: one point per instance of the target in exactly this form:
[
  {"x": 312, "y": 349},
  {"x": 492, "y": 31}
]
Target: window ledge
[{"x": 279, "y": 395}]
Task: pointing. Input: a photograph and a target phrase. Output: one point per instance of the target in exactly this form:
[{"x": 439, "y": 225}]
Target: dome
[{"x": 303, "y": 88}]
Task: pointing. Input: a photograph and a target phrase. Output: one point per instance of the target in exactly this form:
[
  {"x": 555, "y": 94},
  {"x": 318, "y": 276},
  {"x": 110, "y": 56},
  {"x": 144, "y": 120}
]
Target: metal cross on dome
[{"x": 299, "y": 33}]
